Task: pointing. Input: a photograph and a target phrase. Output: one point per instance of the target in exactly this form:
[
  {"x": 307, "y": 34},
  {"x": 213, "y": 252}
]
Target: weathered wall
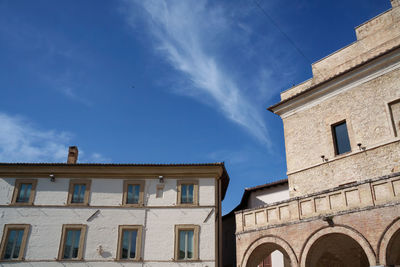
[
  {"x": 106, "y": 195},
  {"x": 308, "y": 135}
]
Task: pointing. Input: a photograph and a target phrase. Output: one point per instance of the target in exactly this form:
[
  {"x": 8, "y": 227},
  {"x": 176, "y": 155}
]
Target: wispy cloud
[
  {"x": 188, "y": 35},
  {"x": 21, "y": 141},
  {"x": 65, "y": 83}
]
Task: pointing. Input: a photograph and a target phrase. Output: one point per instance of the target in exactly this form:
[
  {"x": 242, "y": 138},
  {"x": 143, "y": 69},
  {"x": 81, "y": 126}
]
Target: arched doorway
[
  {"x": 389, "y": 244},
  {"x": 337, "y": 246},
  {"x": 336, "y": 250},
  {"x": 264, "y": 246},
  {"x": 393, "y": 250},
  {"x": 265, "y": 250},
  {"x": 275, "y": 259}
]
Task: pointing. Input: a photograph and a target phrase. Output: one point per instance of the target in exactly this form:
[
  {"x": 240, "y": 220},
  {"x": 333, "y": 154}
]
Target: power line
[{"x": 283, "y": 33}]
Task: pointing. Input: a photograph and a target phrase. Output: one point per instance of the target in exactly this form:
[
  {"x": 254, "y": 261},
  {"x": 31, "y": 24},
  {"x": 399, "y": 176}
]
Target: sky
[{"x": 153, "y": 81}]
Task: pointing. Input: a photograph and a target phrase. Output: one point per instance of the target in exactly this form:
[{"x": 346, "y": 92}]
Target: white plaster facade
[
  {"x": 158, "y": 217},
  {"x": 268, "y": 195}
]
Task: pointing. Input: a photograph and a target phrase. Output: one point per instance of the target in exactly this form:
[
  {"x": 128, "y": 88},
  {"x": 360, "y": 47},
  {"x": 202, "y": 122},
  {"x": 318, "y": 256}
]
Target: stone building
[
  {"x": 253, "y": 197},
  {"x": 342, "y": 137},
  {"x": 72, "y": 214}
]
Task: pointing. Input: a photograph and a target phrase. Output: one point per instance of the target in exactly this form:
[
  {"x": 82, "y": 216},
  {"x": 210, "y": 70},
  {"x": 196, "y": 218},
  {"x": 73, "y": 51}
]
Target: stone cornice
[{"x": 109, "y": 170}]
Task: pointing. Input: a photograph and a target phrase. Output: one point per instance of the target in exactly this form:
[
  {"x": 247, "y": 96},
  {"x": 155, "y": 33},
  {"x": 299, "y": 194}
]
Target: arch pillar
[
  {"x": 277, "y": 242},
  {"x": 356, "y": 236},
  {"x": 384, "y": 241}
]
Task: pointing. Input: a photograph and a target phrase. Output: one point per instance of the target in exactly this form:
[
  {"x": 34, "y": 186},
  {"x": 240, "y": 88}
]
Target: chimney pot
[{"x": 72, "y": 155}]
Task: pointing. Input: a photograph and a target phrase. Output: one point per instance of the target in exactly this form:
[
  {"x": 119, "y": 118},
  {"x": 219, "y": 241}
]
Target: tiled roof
[
  {"x": 224, "y": 176},
  {"x": 263, "y": 186},
  {"x": 111, "y": 164}
]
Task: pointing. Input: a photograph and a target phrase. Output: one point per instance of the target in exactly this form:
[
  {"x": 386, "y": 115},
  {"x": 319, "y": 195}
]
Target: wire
[{"x": 284, "y": 34}]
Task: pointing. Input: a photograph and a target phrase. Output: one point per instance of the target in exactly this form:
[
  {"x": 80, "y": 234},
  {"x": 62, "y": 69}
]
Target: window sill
[
  {"x": 187, "y": 260},
  {"x": 338, "y": 156},
  {"x": 14, "y": 260},
  {"x": 21, "y": 204},
  {"x": 71, "y": 260},
  {"x": 133, "y": 205},
  {"x": 77, "y": 204},
  {"x": 187, "y": 204},
  {"x": 129, "y": 260}
]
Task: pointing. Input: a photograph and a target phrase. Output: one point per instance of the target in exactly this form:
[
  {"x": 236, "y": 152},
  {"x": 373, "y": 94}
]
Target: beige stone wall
[
  {"x": 308, "y": 135},
  {"x": 353, "y": 168}
]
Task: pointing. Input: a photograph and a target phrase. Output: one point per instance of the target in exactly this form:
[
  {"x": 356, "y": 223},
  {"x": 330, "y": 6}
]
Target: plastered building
[
  {"x": 71, "y": 214},
  {"x": 342, "y": 137}
]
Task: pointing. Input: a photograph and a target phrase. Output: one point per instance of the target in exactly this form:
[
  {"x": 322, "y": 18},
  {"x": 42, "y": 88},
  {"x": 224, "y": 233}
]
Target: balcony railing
[{"x": 364, "y": 194}]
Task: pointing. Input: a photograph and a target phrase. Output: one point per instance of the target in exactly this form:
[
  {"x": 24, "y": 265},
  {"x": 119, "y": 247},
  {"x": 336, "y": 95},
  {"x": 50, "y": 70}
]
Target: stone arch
[
  {"x": 392, "y": 231},
  {"x": 268, "y": 244},
  {"x": 343, "y": 232}
]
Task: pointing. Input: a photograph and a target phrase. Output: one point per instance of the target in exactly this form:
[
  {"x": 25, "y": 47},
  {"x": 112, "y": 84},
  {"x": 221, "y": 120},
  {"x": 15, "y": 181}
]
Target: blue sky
[{"x": 161, "y": 81}]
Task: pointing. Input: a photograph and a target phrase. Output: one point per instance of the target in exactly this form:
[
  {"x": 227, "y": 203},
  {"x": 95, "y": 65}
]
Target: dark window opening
[{"x": 341, "y": 138}]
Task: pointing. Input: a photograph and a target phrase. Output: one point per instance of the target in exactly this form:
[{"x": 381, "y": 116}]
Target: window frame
[
  {"x": 73, "y": 182},
  {"x": 6, "y": 233},
  {"x": 390, "y": 104},
  {"x": 161, "y": 188},
  {"x": 335, "y": 145},
  {"x": 65, "y": 228},
  {"x": 196, "y": 231},
  {"x": 121, "y": 228},
  {"x": 125, "y": 193},
  {"x": 195, "y": 184},
  {"x": 17, "y": 188}
]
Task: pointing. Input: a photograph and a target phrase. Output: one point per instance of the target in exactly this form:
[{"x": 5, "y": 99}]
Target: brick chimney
[{"x": 72, "y": 155}]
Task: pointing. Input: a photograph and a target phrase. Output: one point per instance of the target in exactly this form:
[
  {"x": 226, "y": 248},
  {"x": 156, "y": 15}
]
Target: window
[
  {"x": 79, "y": 191},
  {"x": 266, "y": 262},
  {"x": 133, "y": 193},
  {"x": 188, "y": 192},
  {"x": 160, "y": 191},
  {"x": 341, "y": 138},
  {"x": 394, "y": 108},
  {"x": 14, "y": 241},
  {"x": 129, "y": 242},
  {"x": 186, "y": 242},
  {"x": 24, "y": 192},
  {"x": 72, "y": 242}
]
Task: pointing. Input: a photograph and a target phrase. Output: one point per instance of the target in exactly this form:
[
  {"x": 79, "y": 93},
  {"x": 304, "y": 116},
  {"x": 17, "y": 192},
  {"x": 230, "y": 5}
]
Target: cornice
[
  {"x": 347, "y": 80},
  {"x": 109, "y": 171}
]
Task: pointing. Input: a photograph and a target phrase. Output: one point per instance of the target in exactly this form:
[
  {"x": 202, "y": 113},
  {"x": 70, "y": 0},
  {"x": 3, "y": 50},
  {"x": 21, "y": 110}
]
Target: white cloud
[
  {"x": 20, "y": 141},
  {"x": 187, "y": 35}
]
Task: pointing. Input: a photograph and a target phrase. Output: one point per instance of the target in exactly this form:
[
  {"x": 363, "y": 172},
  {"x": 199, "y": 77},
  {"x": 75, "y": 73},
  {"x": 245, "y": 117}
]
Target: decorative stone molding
[{"x": 348, "y": 198}]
